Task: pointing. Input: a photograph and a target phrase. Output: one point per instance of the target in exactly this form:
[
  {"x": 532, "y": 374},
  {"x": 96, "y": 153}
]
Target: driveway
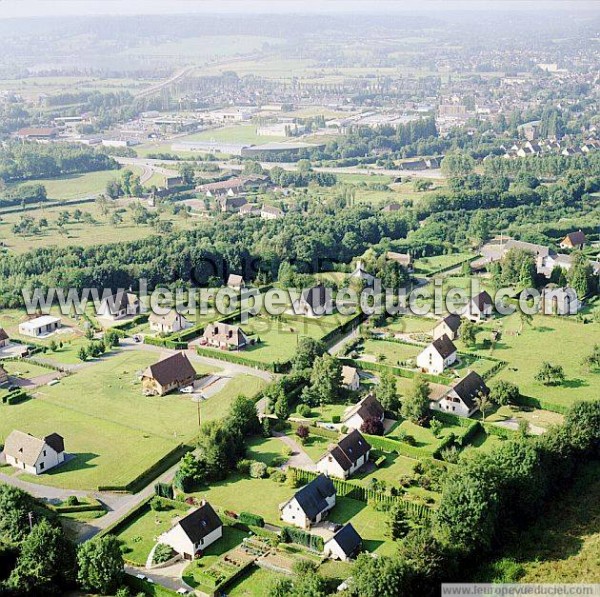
[
  {"x": 299, "y": 458},
  {"x": 169, "y": 576}
]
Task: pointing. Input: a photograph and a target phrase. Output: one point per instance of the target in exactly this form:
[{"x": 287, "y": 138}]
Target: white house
[
  {"x": 367, "y": 408},
  {"x": 480, "y": 308},
  {"x": 344, "y": 545},
  {"x": 119, "y": 305},
  {"x": 461, "y": 399},
  {"x": 350, "y": 378},
  {"x": 168, "y": 324},
  {"x": 346, "y": 457},
  {"x": 40, "y": 326},
  {"x": 360, "y": 273},
  {"x": 449, "y": 326},
  {"x": 268, "y": 212},
  {"x": 194, "y": 532},
  {"x": 236, "y": 282},
  {"x": 438, "y": 356},
  {"x": 314, "y": 302},
  {"x": 32, "y": 454},
  {"x": 310, "y": 504}
]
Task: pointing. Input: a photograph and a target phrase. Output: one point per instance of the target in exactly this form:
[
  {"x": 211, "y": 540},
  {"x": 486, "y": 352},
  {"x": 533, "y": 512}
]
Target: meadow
[{"x": 111, "y": 430}]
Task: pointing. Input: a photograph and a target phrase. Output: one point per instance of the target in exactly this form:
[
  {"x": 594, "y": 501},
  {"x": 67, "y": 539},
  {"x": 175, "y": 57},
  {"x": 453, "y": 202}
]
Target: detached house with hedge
[
  {"x": 310, "y": 504},
  {"x": 346, "y": 457}
]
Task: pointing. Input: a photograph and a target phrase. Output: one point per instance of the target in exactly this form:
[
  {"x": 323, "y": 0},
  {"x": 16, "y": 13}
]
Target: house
[
  {"x": 39, "y": 134},
  {"x": 346, "y": 457},
  {"x": 403, "y": 259},
  {"x": 314, "y": 302},
  {"x": 461, "y": 399},
  {"x": 3, "y": 375},
  {"x": 448, "y": 326},
  {"x": 229, "y": 204},
  {"x": 480, "y": 308},
  {"x": 168, "y": 324},
  {"x": 344, "y": 545},
  {"x": 168, "y": 374},
  {"x": 236, "y": 282},
  {"x": 438, "y": 356},
  {"x": 360, "y": 273},
  {"x": 350, "y": 378},
  {"x": 4, "y": 339},
  {"x": 367, "y": 408},
  {"x": 40, "y": 326},
  {"x": 573, "y": 240},
  {"x": 32, "y": 454},
  {"x": 391, "y": 207},
  {"x": 249, "y": 209},
  {"x": 194, "y": 532},
  {"x": 224, "y": 336},
  {"x": 268, "y": 212},
  {"x": 119, "y": 305},
  {"x": 310, "y": 504}
]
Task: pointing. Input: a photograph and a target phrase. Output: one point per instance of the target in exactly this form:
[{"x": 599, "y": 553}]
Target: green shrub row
[
  {"x": 387, "y": 444},
  {"x": 151, "y": 589},
  {"x": 166, "y": 342},
  {"x": 128, "y": 325},
  {"x": 251, "y": 519},
  {"x": 15, "y": 397},
  {"x": 543, "y": 404},
  {"x": 320, "y": 431},
  {"x": 92, "y": 505},
  {"x": 300, "y": 537},
  {"x": 116, "y": 527},
  {"x": 446, "y": 268},
  {"x": 233, "y": 357},
  {"x": 399, "y": 371}
]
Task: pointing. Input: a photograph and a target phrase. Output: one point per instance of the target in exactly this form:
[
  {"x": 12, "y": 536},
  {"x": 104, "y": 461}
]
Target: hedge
[
  {"x": 542, "y": 403},
  {"x": 147, "y": 476},
  {"x": 93, "y": 505},
  {"x": 16, "y": 397},
  {"x": 387, "y": 444},
  {"x": 127, "y": 325},
  {"x": 400, "y": 371},
  {"x": 165, "y": 342},
  {"x": 320, "y": 431},
  {"x": 295, "y": 535},
  {"x": 118, "y": 525},
  {"x": 251, "y": 519},
  {"x": 233, "y": 357},
  {"x": 368, "y": 496},
  {"x": 148, "y": 588}
]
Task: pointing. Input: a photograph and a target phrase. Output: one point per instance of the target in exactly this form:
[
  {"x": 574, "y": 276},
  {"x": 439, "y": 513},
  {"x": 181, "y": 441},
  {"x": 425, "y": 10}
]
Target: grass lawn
[
  {"x": 561, "y": 341},
  {"x": 242, "y": 133},
  {"x": 535, "y": 416},
  {"x": 428, "y": 265},
  {"x": 24, "y": 369},
  {"x": 394, "y": 467},
  {"x": 483, "y": 442},
  {"x": 315, "y": 445},
  {"x": 424, "y": 438},
  {"x": 140, "y": 536},
  {"x": 255, "y": 583},
  {"x": 563, "y": 546},
  {"x": 112, "y": 431},
  {"x": 369, "y": 523},
  {"x": 238, "y": 493},
  {"x": 410, "y": 325},
  {"x": 265, "y": 449},
  {"x": 394, "y": 352},
  {"x": 325, "y": 413}
]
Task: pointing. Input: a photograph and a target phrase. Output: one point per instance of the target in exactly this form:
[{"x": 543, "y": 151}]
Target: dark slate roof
[
  {"x": 482, "y": 299},
  {"x": 444, "y": 346},
  {"x": 354, "y": 445},
  {"x": 452, "y": 321},
  {"x": 469, "y": 387},
  {"x": 174, "y": 368},
  {"x": 316, "y": 296},
  {"x": 576, "y": 238},
  {"x": 311, "y": 498},
  {"x": 56, "y": 442},
  {"x": 200, "y": 522},
  {"x": 3, "y": 334},
  {"x": 368, "y": 407},
  {"x": 348, "y": 539}
]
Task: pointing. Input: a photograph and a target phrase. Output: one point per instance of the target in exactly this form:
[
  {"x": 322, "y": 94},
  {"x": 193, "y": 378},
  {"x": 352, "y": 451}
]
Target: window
[
  {"x": 44, "y": 452},
  {"x": 42, "y": 466}
]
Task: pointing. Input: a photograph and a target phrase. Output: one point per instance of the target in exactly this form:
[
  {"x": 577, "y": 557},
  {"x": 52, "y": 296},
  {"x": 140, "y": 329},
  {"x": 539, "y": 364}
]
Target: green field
[
  {"x": 410, "y": 325},
  {"x": 112, "y": 431},
  {"x": 429, "y": 265},
  {"x": 561, "y": 341},
  {"x": 24, "y": 369},
  {"x": 241, "y": 133},
  {"x": 390, "y": 353},
  {"x": 99, "y": 231},
  {"x": 254, "y": 584}
]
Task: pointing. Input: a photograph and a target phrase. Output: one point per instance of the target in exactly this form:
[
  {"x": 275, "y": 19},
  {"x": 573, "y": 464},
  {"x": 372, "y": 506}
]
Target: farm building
[
  {"x": 167, "y": 375},
  {"x": 40, "y": 326}
]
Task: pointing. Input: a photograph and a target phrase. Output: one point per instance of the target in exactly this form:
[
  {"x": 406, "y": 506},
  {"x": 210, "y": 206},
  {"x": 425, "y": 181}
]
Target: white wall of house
[
  {"x": 442, "y": 329},
  {"x": 334, "y": 551},
  {"x": 48, "y": 459},
  {"x": 167, "y": 328},
  {"x": 181, "y": 543},
  {"x": 354, "y": 385},
  {"x": 431, "y": 360},
  {"x": 354, "y": 422},
  {"x": 293, "y": 514},
  {"x": 452, "y": 404},
  {"x": 329, "y": 466}
]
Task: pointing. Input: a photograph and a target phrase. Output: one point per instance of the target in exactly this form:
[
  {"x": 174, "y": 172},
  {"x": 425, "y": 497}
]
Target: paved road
[{"x": 299, "y": 458}]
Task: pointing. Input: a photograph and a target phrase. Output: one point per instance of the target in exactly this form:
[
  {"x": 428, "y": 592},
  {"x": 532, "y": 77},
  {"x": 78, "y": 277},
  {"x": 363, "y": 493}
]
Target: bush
[
  {"x": 372, "y": 426},
  {"x": 302, "y": 432},
  {"x": 72, "y": 500},
  {"x": 304, "y": 410},
  {"x": 162, "y": 553},
  {"x": 436, "y": 427},
  {"x": 258, "y": 470},
  {"x": 336, "y": 419},
  {"x": 243, "y": 466}
]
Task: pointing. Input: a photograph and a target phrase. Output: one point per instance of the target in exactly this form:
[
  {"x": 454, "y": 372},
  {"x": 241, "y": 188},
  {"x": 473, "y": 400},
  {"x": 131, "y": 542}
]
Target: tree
[
  {"x": 457, "y": 164},
  {"x": 302, "y": 432},
  {"x": 468, "y": 333},
  {"x": 116, "y": 218},
  {"x": 282, "y": 408},
  {"x": 187, "y": 173},
  {"x": 114, "y": 189},
  {"x": 189, "y": 473},
  {"x": 483, "y": 403},
  {"x": 372, "y": 426},
  {"x": 524, "y": 319},
  {"x": 100, "y": 565},
  {"x": 592, "y": 361},
  {"x": 244, "y": 416},
  {"x": 383, "y": 576},
  {"x": 397, "y": 522},
  {"x": 326, "y": 379},
  {"x": 504, "y": 392},
  {"x": 307, "y": 351},
  {"x": 581, "y": 275},
  {"x": 415, "y": 405},
  {"x": 387, "y": 392},
  {"x": 550, "y": 375},
  {"x": 15, "y": 507},
  {"x": 46, "y": 562}
]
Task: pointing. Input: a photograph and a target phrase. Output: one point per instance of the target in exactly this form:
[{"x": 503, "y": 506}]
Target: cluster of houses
[{"x": 536, "y": 147}]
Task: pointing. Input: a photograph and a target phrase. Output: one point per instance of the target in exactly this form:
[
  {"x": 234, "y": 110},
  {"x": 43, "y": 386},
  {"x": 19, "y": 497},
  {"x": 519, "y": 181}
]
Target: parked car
[{"x": 187, "y": 390}]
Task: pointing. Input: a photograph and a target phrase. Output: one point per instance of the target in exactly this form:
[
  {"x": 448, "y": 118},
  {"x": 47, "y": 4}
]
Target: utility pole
[{"x": 30, "y": 516}]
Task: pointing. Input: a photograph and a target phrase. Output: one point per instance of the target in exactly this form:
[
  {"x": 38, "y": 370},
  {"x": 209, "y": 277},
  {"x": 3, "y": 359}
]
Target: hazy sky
[{"x": 37, "y": 8}]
